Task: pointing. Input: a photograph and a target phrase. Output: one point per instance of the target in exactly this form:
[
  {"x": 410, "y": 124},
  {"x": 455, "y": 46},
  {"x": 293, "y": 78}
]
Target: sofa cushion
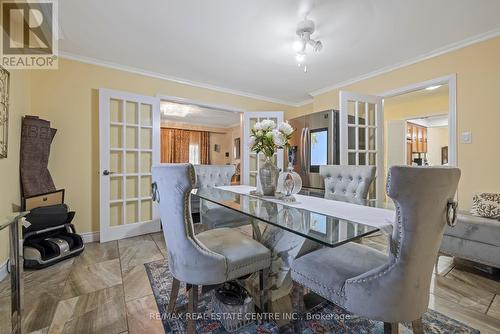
[
  {"x": 471, "y": 250},
  {"x": 486, "y": 205},
  {"x": 474, "y": 228}
]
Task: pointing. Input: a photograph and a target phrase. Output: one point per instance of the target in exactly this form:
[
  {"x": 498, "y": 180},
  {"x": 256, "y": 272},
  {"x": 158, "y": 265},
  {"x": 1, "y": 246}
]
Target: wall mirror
[{"x": 4, "y": 111}]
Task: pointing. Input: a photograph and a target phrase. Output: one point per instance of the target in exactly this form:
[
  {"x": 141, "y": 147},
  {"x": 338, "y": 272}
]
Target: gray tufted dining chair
[
  {"x": 393, "y": 288},
  {"x": 348, "y": 181},
  {"x": 210, "y": 257},
  {"x": 213, "y": 215}
]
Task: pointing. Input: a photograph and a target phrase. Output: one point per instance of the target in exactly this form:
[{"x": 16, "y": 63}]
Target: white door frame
[
  {"x": 108, "y": 232},
  {"x": 199, "y": 103},
  {"x": 451, "y": 81}
]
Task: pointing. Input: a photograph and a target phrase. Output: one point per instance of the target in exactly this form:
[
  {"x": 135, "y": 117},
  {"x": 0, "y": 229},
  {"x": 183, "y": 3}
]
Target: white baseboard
[
  {"x": 90, "y": 236},
  {"x": 3, "y": 270}
]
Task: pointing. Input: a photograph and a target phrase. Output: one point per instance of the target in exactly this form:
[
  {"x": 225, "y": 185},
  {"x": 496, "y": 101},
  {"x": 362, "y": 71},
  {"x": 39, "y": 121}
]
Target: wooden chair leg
[
  {"x": 264, "y": 289},
  {"x": 391, "y": 328},
  {"x": 192, "y": 309},
  {"x": 174, "y": 292},
  {"x": 418, "y": 327}
]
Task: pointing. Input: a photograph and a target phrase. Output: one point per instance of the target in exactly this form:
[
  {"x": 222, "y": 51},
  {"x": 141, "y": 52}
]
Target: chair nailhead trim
[
  {"x": 340, "y": 294},
  {"x": 397, "y": 254}
]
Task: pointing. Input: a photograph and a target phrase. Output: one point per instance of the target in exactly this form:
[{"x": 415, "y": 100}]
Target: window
[{"x": 194, "y": 154}]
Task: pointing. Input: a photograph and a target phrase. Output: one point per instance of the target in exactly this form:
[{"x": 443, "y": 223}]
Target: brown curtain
[
  {"x": 175, "y": 145},
  {"x": 204, "y": 148}
]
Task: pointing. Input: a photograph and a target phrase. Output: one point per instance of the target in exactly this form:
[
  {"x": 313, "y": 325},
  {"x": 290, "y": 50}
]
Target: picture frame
[
  {"x": 444, "y": 155},
  {"x": 4, "y": 111}
]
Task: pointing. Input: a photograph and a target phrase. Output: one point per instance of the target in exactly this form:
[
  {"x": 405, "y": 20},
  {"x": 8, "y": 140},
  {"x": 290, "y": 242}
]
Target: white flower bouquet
[{"x": 267, "y": 137}]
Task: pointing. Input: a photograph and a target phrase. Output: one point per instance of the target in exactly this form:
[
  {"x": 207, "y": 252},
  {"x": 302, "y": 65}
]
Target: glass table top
[
  {"x": 10, "y": 219},
  {"x": 324, "y": 229}
]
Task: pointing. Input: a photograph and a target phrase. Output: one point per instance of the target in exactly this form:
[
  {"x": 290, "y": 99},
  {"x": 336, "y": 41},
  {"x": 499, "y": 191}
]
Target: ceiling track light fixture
[{"x": 304, "y": 31}]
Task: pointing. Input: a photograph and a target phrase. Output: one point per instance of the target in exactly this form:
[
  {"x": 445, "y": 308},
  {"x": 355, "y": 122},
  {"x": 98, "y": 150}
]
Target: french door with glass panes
[
  {"x": 361, "y": 135},
  {"x": 129, "y": 146},
  {"x": 251, "y": 160}
]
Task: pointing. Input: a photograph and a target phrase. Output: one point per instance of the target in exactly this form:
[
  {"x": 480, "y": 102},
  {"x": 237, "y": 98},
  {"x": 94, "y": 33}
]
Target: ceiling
[
  {"x": 195, "y": 115},
  {"x": 418, "y": 95},
  {"x": 246, "y": 46},
  {"x": 431, "y": 121}
]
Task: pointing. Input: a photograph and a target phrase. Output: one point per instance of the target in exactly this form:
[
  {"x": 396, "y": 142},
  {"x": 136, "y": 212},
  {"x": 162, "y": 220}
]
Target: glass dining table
[
  {"x": 326, "y": 230},
  {"x": 13, "y": 286},
  {"x": 287, "y": 230}
]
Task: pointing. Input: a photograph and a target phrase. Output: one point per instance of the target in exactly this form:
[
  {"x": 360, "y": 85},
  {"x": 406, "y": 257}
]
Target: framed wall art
[{"x": 4, "y": 111}]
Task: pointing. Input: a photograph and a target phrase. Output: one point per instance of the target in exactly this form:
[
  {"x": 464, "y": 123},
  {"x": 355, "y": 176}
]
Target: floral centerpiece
[{"x": 266, "y": 138}]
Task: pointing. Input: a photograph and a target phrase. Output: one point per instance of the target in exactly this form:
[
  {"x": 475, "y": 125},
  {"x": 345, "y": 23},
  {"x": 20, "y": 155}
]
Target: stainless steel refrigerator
[{"x": 315, "y": 142}]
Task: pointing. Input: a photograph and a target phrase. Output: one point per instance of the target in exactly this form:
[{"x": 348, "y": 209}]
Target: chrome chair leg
[
  {"x": 436, "y": 270},
  {"x": 264, "y": 289},
  {"x": 15, "y": 278},
  {"x": 297, "y": 296},
  {"x": 174, "y": 292},
  {"x": 391, "y": 328},
  {"x": 418, "y": 327},
  {"x": 192, "y": 308}
]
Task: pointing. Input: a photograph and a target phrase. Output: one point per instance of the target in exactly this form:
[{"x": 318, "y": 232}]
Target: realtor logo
[{"x": 29, "y": 37}]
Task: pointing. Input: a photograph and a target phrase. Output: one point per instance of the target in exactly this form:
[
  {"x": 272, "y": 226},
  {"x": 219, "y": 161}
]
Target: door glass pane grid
[
  {"x": 132, "y": 159},
  {"x": 362, "y": 138},
  {"x": 256, "y": 159},
  {"x": 139, "y": 163},
  {"x": 361, "y": 113},
  {"x": 361, "y": 133},
  {"x": 351, "y": 112}
]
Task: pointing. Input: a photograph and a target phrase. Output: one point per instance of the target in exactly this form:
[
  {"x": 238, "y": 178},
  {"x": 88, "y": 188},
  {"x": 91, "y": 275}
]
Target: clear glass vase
[
  {"x": 268, "y": 175},
  {"x": 289, "y": 184}
]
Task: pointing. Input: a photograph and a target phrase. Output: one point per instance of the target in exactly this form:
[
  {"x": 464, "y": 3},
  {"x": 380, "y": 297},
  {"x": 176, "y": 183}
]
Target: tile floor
[{"x": 106, "y": 290}]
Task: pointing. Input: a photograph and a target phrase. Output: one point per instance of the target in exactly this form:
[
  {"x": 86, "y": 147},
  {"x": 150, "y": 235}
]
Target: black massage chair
[{"x": 49, "y": 236}]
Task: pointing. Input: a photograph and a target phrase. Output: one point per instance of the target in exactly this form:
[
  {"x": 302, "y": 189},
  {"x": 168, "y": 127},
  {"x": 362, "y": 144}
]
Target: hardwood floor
[{"x": 106, "y": 290}]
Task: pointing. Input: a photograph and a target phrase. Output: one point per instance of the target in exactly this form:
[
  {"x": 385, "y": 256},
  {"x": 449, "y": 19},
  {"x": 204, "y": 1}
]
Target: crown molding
[
  {"x": 304, "y": 102},
  {"x": 438, "y": 52},
  {"x": 135, "y": 70}
]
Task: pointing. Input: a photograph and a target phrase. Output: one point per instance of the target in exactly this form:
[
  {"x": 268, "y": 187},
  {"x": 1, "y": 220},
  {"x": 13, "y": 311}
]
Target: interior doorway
[
  {"x": 403, "y": 127},
  {"x": 417, "y": 127},
  {"x": 200, "y": 133}
]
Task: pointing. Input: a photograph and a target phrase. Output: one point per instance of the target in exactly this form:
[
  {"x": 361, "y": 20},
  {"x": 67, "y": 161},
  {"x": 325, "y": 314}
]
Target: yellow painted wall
[
  {"x": 68, "y": 97},
  {"x": 478, "y": 107},
  {"x": 436, "y": 138},
  {"x": 9, "y": 168},
  {"x": 224, "y": 141},
  {"x": 415, "y": 108}
]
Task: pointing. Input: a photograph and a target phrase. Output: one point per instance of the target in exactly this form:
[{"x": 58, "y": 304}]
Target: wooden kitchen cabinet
[{"x": 416, "y": 140}]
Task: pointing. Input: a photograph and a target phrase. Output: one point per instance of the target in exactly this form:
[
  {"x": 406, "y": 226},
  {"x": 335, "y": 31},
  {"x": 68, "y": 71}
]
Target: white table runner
[{"x": 376, "y": 217}]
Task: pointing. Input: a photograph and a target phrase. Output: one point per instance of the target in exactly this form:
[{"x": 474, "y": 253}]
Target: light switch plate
[{"x": 466, "y": 137}]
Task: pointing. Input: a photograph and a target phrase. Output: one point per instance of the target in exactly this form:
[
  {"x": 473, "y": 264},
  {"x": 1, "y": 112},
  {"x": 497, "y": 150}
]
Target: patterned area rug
[{"x": 325, "y": 317}]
